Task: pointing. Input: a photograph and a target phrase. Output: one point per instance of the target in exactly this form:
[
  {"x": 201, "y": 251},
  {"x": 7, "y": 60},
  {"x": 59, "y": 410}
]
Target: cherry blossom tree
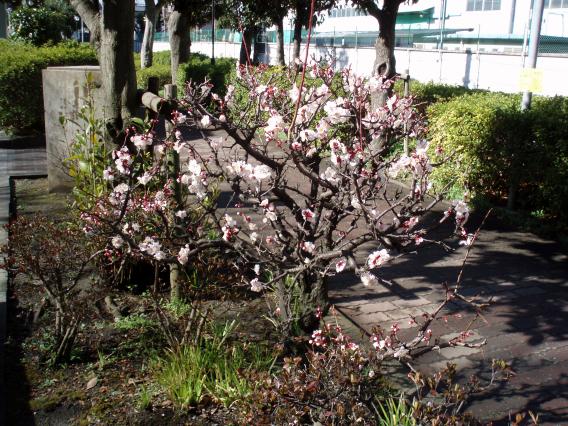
[{"x": 310, "y": 172}]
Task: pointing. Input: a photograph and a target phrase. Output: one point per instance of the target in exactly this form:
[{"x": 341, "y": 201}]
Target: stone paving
[{"x": 525, "y": 276}]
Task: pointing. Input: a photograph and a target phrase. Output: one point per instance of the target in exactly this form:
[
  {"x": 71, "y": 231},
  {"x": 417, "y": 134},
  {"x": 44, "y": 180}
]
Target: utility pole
[
  {"x": 534, "y": 39},
  {"x": 442, "y": 23}
]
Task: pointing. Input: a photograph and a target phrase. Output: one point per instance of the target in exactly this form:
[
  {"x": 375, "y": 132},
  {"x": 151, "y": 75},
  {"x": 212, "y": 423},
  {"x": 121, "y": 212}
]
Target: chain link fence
[{"x": 414, "y": 38}]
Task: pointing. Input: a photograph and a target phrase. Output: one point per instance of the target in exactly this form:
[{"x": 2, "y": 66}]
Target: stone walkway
[{"x": 527, "y": 279}]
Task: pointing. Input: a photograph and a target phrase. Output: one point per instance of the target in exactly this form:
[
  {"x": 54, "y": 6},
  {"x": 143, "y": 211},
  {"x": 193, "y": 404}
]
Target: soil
[{"x": 117, "y": 358}]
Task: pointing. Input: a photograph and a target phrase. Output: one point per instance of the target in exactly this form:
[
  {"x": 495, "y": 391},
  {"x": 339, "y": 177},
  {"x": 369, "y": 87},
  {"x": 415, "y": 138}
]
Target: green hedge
[
  {"x": 21, "y": 97},
  {"x": 199, "y": 67},
  {"x": 491, "y": 143},
  {"x": 161, "y": 68}
]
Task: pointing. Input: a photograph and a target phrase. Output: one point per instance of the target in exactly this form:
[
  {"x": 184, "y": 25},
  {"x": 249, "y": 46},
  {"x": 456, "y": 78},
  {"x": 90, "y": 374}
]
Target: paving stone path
[{"x": 527, "y": 279}]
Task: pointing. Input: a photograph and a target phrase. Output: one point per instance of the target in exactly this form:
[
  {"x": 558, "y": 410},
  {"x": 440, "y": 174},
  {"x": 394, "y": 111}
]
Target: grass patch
[{"x": 213, "y": 367}]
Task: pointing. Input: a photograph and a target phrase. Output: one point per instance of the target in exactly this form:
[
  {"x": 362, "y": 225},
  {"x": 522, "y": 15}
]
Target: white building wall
[
  {"x": 494, "y": 22},
  {"x": 492, "y": 71}
]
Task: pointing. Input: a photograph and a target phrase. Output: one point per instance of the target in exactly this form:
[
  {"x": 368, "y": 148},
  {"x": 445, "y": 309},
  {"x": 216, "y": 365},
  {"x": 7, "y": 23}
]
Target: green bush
[
  {"x": 21, "y": 97},
  {"x": 490, "y": 143},
  {"x": 163, "y": 72},
  {"x": 161, "y": 68},
  {"x": 49, "y": 23},
  {"x": 198, "y": 68},
  {"x": 429, "y": 93}
]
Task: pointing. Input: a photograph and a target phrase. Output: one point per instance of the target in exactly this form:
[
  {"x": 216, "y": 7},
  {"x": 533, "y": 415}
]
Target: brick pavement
[{"x": 527, "y": 324}]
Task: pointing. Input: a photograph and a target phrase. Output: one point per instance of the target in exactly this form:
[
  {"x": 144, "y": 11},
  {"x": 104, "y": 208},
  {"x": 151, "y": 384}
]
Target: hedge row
[
  {"x": 199, "y": 68},
  {"x": 492, "y": 145},
  {"x": 21, "y": 97}
]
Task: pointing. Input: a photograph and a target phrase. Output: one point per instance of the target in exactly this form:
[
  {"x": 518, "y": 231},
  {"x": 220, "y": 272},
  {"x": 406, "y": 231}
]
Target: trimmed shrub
[
  {"x": 491, "y": 144},
  {"x": 163, "y": 72},
  {"x": 429, "y": 93},
  {"x": 21, "y": 97},
  {"x": 198, "y": 68},
  {"x": 161, "y": 67}
]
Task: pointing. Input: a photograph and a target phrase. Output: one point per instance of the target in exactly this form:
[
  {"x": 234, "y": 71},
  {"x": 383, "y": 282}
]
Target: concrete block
[{"x": 65, "y": 91}]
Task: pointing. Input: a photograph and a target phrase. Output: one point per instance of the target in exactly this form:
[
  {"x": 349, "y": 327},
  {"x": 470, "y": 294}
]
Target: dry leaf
[{"x": 92, "y": 383}]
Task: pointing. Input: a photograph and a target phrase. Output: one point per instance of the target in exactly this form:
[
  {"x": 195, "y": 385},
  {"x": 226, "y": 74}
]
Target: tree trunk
[
  {"x": 117, "y": 64},
  {"x": 150, "y": 18},
  {"x": 180, "y": 41},
  {"x": 244, "y": 56},
  {"x": 256, "y": 51},
  {"x": 90, "y": 14},
  {"x": 313, "y": 295},
  {"x": 297, "y": 37},
  {"x": 385, "y": 62},
  {"x": 280, "y": 59},
  {"x": 298, "y": 305}
]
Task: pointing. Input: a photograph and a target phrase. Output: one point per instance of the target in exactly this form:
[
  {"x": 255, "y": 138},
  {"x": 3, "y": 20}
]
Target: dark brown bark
[
  {"x": 280, "y": 59},
  {"x": 180, "y": 41},
  {"x": 385, "y": 62},
  {"x": 117, "y": 63},
  {"x": 150, "y": 17},
  {"x": 297, "y": 37},
  {"x": 256, "y": 51},
  {"x": 313, "y": 295}
]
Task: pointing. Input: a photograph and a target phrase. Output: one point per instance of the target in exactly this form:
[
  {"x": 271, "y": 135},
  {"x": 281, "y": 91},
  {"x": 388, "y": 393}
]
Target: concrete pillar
[{"x": 65, "y": 91}]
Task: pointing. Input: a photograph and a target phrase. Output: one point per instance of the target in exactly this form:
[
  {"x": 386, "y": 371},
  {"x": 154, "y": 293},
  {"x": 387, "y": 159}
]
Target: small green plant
[
  {"x": 134, "y": 322},
  {"x": 89, "y": 156},
  {"x": 395, "y": 412},
  {"x": 144, "y": 398}
]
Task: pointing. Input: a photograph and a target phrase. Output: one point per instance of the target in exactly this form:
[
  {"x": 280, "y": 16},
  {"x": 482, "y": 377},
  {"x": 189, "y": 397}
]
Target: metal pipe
[
  {"x": 512, "y": 16},
  {"x": 538, "y": 8},
  {"x": 213, "y": 33}
]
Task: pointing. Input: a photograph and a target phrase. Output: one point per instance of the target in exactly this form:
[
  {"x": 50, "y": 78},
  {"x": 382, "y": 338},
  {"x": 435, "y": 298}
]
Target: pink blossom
[
  {"x": 308, "y": 215},
  {"x": 378, "y": 258},
  {"x": 340, "y": 264},
  {"x": 308, "y": 247},
  {"x": 183, "y": 254},
  {"x": 368, "y": 279},
  {"x": 256, "y": 285}
]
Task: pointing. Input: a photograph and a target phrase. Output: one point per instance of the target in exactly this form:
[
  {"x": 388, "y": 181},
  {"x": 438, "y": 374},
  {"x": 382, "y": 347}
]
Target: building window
[
  {"x": 483, "y": 5},
  {"x": 555, "y": 4}
]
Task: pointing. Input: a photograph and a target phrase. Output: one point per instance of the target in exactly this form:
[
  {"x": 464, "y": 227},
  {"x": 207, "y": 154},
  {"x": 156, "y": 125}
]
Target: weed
[
  {"x": 395, "y": 412},
  {"x": 144, "y": 398}
]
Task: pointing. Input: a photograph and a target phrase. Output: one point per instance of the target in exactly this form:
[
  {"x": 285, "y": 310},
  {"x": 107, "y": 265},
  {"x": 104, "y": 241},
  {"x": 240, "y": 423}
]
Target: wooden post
[
  {"x": 170, "y": 93},
  {"x": 153, "y": 87}
]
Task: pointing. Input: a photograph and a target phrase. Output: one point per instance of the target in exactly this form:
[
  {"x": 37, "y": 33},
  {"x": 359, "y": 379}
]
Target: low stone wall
[{"x": 65, "y": 91}]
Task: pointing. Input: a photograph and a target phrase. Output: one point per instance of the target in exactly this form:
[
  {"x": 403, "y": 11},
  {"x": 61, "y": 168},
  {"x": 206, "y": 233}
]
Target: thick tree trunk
[
  {"x": 385, "y": 62},
  {"x": 117, "y": 63},
  {"x": 297, "y": 37},
  {"x": 280, "y": 59},
  {"x": 313, "y": 295},
  {"x": 256, "y": 52},
  {"x": 309, "y": 295},
  {"x": 244, "y": 56},
  {"x": 180, "y": 41},
  {"x": 150, "y": 18}
]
